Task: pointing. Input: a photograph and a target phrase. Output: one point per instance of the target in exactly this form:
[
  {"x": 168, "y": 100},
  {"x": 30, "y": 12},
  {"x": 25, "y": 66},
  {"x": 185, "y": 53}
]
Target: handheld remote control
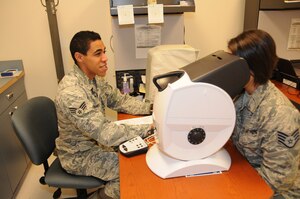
[{"x": 133, "y": 147}]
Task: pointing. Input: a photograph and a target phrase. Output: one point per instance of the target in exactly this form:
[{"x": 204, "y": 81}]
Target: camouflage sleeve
[
  {"x": 280, "y": 147},
  {"x": 125, "y": 103},
  {"x": 89, "y": 120}
]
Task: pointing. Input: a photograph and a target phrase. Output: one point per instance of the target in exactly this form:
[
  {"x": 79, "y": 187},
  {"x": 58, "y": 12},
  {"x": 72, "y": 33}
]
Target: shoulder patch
[
  {"x": 94, "y": 92},
  {"x": 288, "y": 140},
  {"x": 78, "y": 111}
]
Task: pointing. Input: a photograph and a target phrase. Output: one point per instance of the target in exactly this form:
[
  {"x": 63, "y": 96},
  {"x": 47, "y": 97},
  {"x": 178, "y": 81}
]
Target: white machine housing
[{"x": 195, "y": 119}]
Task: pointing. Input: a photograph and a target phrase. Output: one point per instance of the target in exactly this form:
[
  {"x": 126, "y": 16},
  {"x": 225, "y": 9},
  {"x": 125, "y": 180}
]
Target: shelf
[{"x": 140, "y": 7}]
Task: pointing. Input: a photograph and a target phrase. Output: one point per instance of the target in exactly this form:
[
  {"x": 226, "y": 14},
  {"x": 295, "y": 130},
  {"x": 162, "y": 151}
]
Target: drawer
[{"x": 11, "y": 94}]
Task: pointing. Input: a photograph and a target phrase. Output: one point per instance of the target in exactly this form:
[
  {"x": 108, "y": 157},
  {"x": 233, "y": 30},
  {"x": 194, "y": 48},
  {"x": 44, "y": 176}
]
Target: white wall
[
  {"x": 124, "y": 39},
  {"x": 278, "y": 24},
  {"x": 25, "y": 33},
  {"x": 77, "y": 15},
  {"x": 213, "y": 24}
]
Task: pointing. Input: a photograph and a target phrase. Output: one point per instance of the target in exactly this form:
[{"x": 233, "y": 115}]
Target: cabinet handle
[
  {"x": 12, "y": 112},
  {"x": 10, "y": 95}
]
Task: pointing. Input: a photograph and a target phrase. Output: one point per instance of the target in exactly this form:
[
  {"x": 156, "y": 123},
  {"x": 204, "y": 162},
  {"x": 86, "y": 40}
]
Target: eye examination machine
[{"x": 194, "y": 116}]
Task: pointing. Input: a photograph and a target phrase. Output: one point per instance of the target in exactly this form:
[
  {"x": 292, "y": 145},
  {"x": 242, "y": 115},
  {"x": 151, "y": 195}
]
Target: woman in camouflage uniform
[{"x": 267, "y": 126}]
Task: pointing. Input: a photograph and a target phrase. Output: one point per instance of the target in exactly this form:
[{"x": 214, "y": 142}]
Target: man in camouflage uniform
[
  {"x": 87, "y": 139},
  {"x": 268, "y": 125}
]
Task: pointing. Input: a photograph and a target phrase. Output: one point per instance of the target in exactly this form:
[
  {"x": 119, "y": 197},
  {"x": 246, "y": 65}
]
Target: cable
[{"x": 110, "y": 43}]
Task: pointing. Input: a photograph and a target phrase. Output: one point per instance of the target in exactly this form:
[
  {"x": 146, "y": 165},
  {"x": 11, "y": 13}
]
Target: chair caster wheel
[{"x": 57, "y": 193}]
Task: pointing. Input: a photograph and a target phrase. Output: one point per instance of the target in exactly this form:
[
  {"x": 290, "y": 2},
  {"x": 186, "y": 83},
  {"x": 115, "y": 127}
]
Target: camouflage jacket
[
  {"x": 80, "y": 104},
  {"x": 267, "y": 134}
]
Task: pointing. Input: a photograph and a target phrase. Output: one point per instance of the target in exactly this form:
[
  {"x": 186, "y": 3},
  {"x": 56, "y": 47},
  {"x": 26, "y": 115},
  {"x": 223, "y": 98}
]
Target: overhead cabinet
[
  {"x": 279, "y": 4},
  {"x": 253, "y": 7}
]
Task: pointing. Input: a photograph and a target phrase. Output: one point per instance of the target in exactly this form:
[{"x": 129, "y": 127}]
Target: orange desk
[
  {"x": 242, "y": 181},
  {"x": 292, "y": 93},
  {"x": 124, "y": 116}
]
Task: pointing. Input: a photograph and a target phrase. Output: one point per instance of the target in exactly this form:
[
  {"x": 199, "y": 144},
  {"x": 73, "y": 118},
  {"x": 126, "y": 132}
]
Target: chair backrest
[{"x": 35, "y": 124}]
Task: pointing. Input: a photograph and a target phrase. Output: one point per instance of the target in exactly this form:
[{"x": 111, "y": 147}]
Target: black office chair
[{"x": 35, "y": 124}]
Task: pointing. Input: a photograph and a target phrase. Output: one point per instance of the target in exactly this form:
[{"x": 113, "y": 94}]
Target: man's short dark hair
[
  {"x": 81, "y": 42},
  {"x": 258, "y": 48}
]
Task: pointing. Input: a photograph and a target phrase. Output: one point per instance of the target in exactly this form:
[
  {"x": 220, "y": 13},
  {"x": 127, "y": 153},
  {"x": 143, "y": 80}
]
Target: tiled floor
[{"x": 32, "y": 189}]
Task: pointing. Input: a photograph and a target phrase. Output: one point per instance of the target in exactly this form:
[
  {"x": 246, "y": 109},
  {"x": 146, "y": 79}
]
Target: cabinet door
[
  {"x": 5, "y": 189},
  {"x": 11, "y": 149}
]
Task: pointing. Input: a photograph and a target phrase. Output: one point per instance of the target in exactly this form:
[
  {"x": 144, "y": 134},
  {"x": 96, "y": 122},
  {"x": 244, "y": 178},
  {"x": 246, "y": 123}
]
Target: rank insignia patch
[
  {"x": 94, "y": 92},
  {"x": 288, "y": 140},
  {"x": 78, "y": 111}
]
